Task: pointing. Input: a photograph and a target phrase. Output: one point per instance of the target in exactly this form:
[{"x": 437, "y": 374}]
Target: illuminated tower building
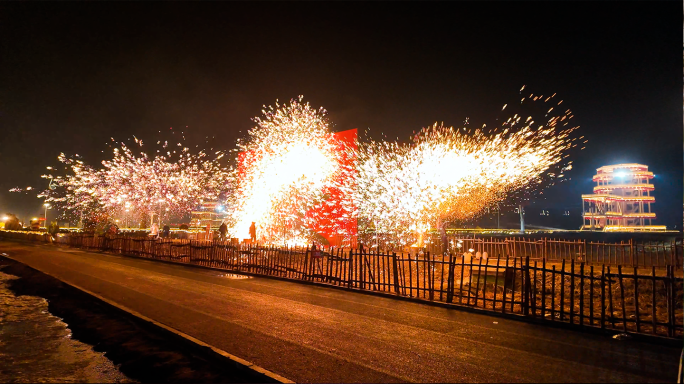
[
  {"x": 621, "y": 200},
  {"x": 209, "y": 213}
]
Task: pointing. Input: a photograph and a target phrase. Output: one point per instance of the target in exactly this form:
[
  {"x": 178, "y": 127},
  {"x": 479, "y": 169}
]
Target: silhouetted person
[
  {"x": 252, "y": 232},
  {"x": 222, "y": 230},
  {"x": 167, "y": 231}
]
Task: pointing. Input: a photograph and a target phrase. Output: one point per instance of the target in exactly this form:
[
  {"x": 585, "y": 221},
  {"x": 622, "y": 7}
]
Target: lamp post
[{"x": 46, "y": 205}]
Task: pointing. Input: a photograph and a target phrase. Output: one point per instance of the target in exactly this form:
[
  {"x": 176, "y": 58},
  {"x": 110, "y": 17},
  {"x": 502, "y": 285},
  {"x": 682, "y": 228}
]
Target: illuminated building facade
[
  {"x": 209, "y": 213},
  {"x": 621, "y": 200}
]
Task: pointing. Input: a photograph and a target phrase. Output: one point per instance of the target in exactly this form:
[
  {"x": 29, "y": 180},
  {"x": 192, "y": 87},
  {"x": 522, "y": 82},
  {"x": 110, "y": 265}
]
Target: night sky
[{"x": 76, "y": 74}]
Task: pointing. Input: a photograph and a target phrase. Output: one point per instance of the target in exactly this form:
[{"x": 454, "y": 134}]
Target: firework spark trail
[
  {"x": 294, "y": 178},
  {"x": 172, "y": 183},
  {"x": 287, "y": 165},
  {"x": 452, "y": 174}
]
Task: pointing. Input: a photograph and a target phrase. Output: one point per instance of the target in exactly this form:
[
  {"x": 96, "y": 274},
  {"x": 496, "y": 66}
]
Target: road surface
[{"x": 317, "y": 334}]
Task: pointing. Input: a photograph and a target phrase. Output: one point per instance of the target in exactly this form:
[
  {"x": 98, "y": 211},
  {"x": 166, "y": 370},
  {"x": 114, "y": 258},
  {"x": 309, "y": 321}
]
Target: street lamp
[{"x": 47, "y": 206}]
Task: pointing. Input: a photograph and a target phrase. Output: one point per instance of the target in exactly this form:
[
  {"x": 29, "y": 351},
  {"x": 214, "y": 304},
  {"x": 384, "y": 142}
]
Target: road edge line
[{"x": 219, "y": 351}]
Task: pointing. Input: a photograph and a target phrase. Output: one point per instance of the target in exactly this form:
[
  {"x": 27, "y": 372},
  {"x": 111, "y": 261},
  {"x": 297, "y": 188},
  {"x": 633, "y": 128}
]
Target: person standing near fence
[
  {"x": 252, "y": 232},
  {"x": 222, "y": 230},
  {"x": 154, "y": 230},
  {"x": 167, "y": 231}
]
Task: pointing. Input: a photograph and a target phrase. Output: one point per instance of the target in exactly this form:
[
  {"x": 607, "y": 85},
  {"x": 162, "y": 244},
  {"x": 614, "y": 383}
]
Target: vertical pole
[
  {"x": 603, "y": 296},
  {"x": 636, "y": 299},
  {"x": 498, "y": 215},
  {"x": 351, "y": 268},
  {"x": 670, "y": 301},
  {"x": 622, "y": 299},
  {"x": 581, "y": 295},
  {"x": 306, "y": 264},
  {"x": 526, "y": 284},
  {"x": 543, "y": 289},
  {"x": 553, "y": 293},
  {"x": 450, "y": 280},
  {"x": 653, "y": 300},
  {"x": 562, "y": 287},
  {"x": 395, "y": 273},
  {"x": 572, "y": 291}
]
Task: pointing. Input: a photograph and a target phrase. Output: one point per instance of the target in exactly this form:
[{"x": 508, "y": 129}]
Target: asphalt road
[{"x": 317, "y": 334}]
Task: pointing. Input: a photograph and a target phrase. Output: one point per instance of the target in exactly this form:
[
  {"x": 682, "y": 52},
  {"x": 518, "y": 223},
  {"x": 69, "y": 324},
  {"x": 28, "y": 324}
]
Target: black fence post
[
  {"x": 526, "y": 284},
  {"x": 305, "y": 275},
  {"x": 351, "y": 267},
  {"x": 450, "y": 280},
  {"x": 395, "y": 273}
]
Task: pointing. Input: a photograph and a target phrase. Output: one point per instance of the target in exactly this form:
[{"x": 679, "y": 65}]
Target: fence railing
[
  {"x": 626, "y": 253},
  {"x": 628, "y": 299}
]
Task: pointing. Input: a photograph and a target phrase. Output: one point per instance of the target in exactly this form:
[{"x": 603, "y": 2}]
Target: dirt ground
[{"x": 143, "y": 351}]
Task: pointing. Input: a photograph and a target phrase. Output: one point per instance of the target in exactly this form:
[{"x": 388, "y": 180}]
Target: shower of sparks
[
  {"x": 296, "y": 180},
  {"x": 449, "y": 174},
  {"x": 134, "y": 186},
  {"x": 287, "y": 168}
]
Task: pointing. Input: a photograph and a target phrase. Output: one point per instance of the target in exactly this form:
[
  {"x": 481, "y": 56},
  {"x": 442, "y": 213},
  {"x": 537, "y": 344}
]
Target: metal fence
[{"x": 629, "y": 299}]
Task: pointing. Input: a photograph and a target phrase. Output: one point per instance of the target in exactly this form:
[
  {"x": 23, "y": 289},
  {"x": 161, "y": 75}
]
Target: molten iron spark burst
[
  {"x": 449, "y": 174},
  {"x": 286, "y": 165}
]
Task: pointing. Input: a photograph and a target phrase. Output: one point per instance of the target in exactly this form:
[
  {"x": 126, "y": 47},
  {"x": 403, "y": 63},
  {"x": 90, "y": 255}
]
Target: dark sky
[{"x": 75, "y": 74}]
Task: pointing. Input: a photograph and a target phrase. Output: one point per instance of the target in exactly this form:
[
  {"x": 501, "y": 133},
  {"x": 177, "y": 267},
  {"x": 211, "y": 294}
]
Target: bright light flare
[{"x": 288, "y": 161}]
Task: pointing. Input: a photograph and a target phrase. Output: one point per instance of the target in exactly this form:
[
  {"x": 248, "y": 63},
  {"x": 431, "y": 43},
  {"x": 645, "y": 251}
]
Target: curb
[{"x": 262, "y": 374}]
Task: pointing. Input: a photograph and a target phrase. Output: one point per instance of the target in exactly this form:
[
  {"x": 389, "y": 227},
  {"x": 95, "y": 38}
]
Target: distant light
[
  {"x": 471, "y": 250},
  {"x": 620, "y": 174},
  {"x": 5, "y": 218}
]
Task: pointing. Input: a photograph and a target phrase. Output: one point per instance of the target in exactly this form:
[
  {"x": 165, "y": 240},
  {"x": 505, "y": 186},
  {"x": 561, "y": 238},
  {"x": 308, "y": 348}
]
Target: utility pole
[{"x": 522, "y": 219}]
